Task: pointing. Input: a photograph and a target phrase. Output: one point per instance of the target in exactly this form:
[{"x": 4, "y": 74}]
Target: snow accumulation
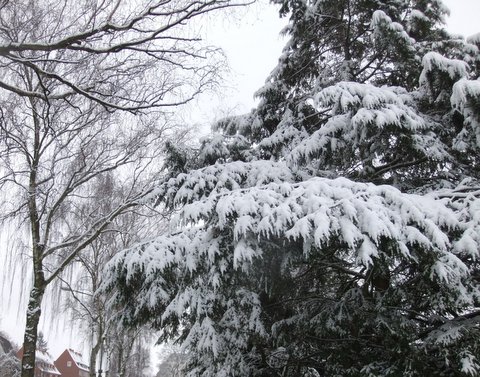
[
  {"x": 380, "y": 21},
  {"x": 463, "y": 91},
  {"x": 317, "y": 210},
  {"x": 78, "y": 359},
  {"x": 431, "y": 61},
  {"x": 359, "y": 112},
  {"x": 230, "y": 211},
  {"x": 466, "y": 98},
  {"x": 44, "y": 361},
  {"x": 416, "y": 14},
  {"x": 474, "y": 39}
]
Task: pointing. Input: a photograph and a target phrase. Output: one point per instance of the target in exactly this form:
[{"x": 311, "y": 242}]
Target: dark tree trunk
[
  {"x": 31, "y": 329},
  {"x": 38, "y": 248}
]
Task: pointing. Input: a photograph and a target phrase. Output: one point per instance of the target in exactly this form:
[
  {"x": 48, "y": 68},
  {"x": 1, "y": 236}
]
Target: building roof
[
  {"x": 44, "y": 362},
  {"x": 78, "y": 359},
  {"x": 5, "y": 346}
]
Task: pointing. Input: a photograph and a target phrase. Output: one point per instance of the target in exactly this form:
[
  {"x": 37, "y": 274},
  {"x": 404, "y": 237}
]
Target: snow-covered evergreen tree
[{"x": 334, "y": 230}]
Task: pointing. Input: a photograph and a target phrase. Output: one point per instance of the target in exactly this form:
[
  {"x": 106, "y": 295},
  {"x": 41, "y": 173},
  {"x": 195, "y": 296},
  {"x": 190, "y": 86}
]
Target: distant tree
[
  {"x": 51, "y": 158},
  {"x": 333, "y": 230},
  {"x": 173, "y": 364},
  {"x": 42, "y": 344},
  {"x": 128, "y": 352},
  {"x": 86, "y": 305}
]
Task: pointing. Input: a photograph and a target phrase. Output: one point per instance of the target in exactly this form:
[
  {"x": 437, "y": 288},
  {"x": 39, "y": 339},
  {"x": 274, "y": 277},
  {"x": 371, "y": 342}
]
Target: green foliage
[{"x": 334, "y": 230}]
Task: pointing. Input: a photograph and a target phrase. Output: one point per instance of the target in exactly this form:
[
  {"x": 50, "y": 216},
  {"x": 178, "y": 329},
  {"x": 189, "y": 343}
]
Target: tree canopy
[{"x": 333, "y": 230}]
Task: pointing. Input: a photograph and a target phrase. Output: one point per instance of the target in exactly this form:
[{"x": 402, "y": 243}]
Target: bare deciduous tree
[
  {"x": 66, "y": 68},
  {"x": 51, "y": 156},
  {"x": 88, "y": 306},
  {"x": 128, "y": 352},
  {"x": 174, "y": 360},
  {"x": 107, "y": 51}
]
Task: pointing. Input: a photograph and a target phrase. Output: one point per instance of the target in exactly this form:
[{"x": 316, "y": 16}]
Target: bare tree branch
[{"x": 100, "y": 43}]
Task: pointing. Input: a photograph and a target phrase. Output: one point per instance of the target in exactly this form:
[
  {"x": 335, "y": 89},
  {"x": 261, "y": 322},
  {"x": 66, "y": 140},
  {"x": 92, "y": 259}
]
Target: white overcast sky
[{"x": 250, "y": 39}]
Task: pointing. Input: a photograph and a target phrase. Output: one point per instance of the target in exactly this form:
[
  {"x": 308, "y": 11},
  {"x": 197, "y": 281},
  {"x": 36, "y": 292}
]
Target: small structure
[
  {"x": 44, "y": 365},
  {"x": 71, "y": 364}
]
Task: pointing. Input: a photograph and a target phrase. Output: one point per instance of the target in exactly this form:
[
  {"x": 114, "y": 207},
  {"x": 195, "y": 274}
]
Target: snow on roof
[
  {"x": 78, "y": 359},
  {"x": 44, "y": 362},
  {"x": 5, "y": 345}
]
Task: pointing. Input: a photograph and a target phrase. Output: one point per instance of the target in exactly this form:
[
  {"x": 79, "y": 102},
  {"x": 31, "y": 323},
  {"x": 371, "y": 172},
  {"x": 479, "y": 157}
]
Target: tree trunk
[
  {"x": 38, "y": 248},
  {"x": 31, "y": 330},
  {"x": 94, "y": 353},
  {"x": 93, "y": 360}
]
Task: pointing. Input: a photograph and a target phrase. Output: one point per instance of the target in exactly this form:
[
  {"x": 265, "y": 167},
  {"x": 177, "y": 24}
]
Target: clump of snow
[
  {"x": 416, "y": 14},
  {"x": 463, "y": 91},
  {"x": 469, "y": 364},
  {"x": 381, "y": 22},
  {"x": 456, "y": 69},
  {"x": 359, "y": 113},
  {"x": 474, "y": 39},
  {"x": 466, "y": 99}
]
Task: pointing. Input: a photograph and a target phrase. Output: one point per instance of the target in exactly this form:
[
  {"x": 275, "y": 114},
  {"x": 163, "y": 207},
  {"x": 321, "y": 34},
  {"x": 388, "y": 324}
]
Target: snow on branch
[
  {"x": 121, "y": 55},
  {"x": 219, "y": 179},
  {"x": 235, "y": 215},
  {"x": 466, "y": 100},
  {"x": 456, "y": 69},
  {"x": 465, "y": 91},
  {"x": 368, "y": 119},
  {"x": 381, "y": 22},
  {"x": 474, "y": 39},
  {"x": 317, "y": 211},
  {"x": 231, "y": 216}
]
